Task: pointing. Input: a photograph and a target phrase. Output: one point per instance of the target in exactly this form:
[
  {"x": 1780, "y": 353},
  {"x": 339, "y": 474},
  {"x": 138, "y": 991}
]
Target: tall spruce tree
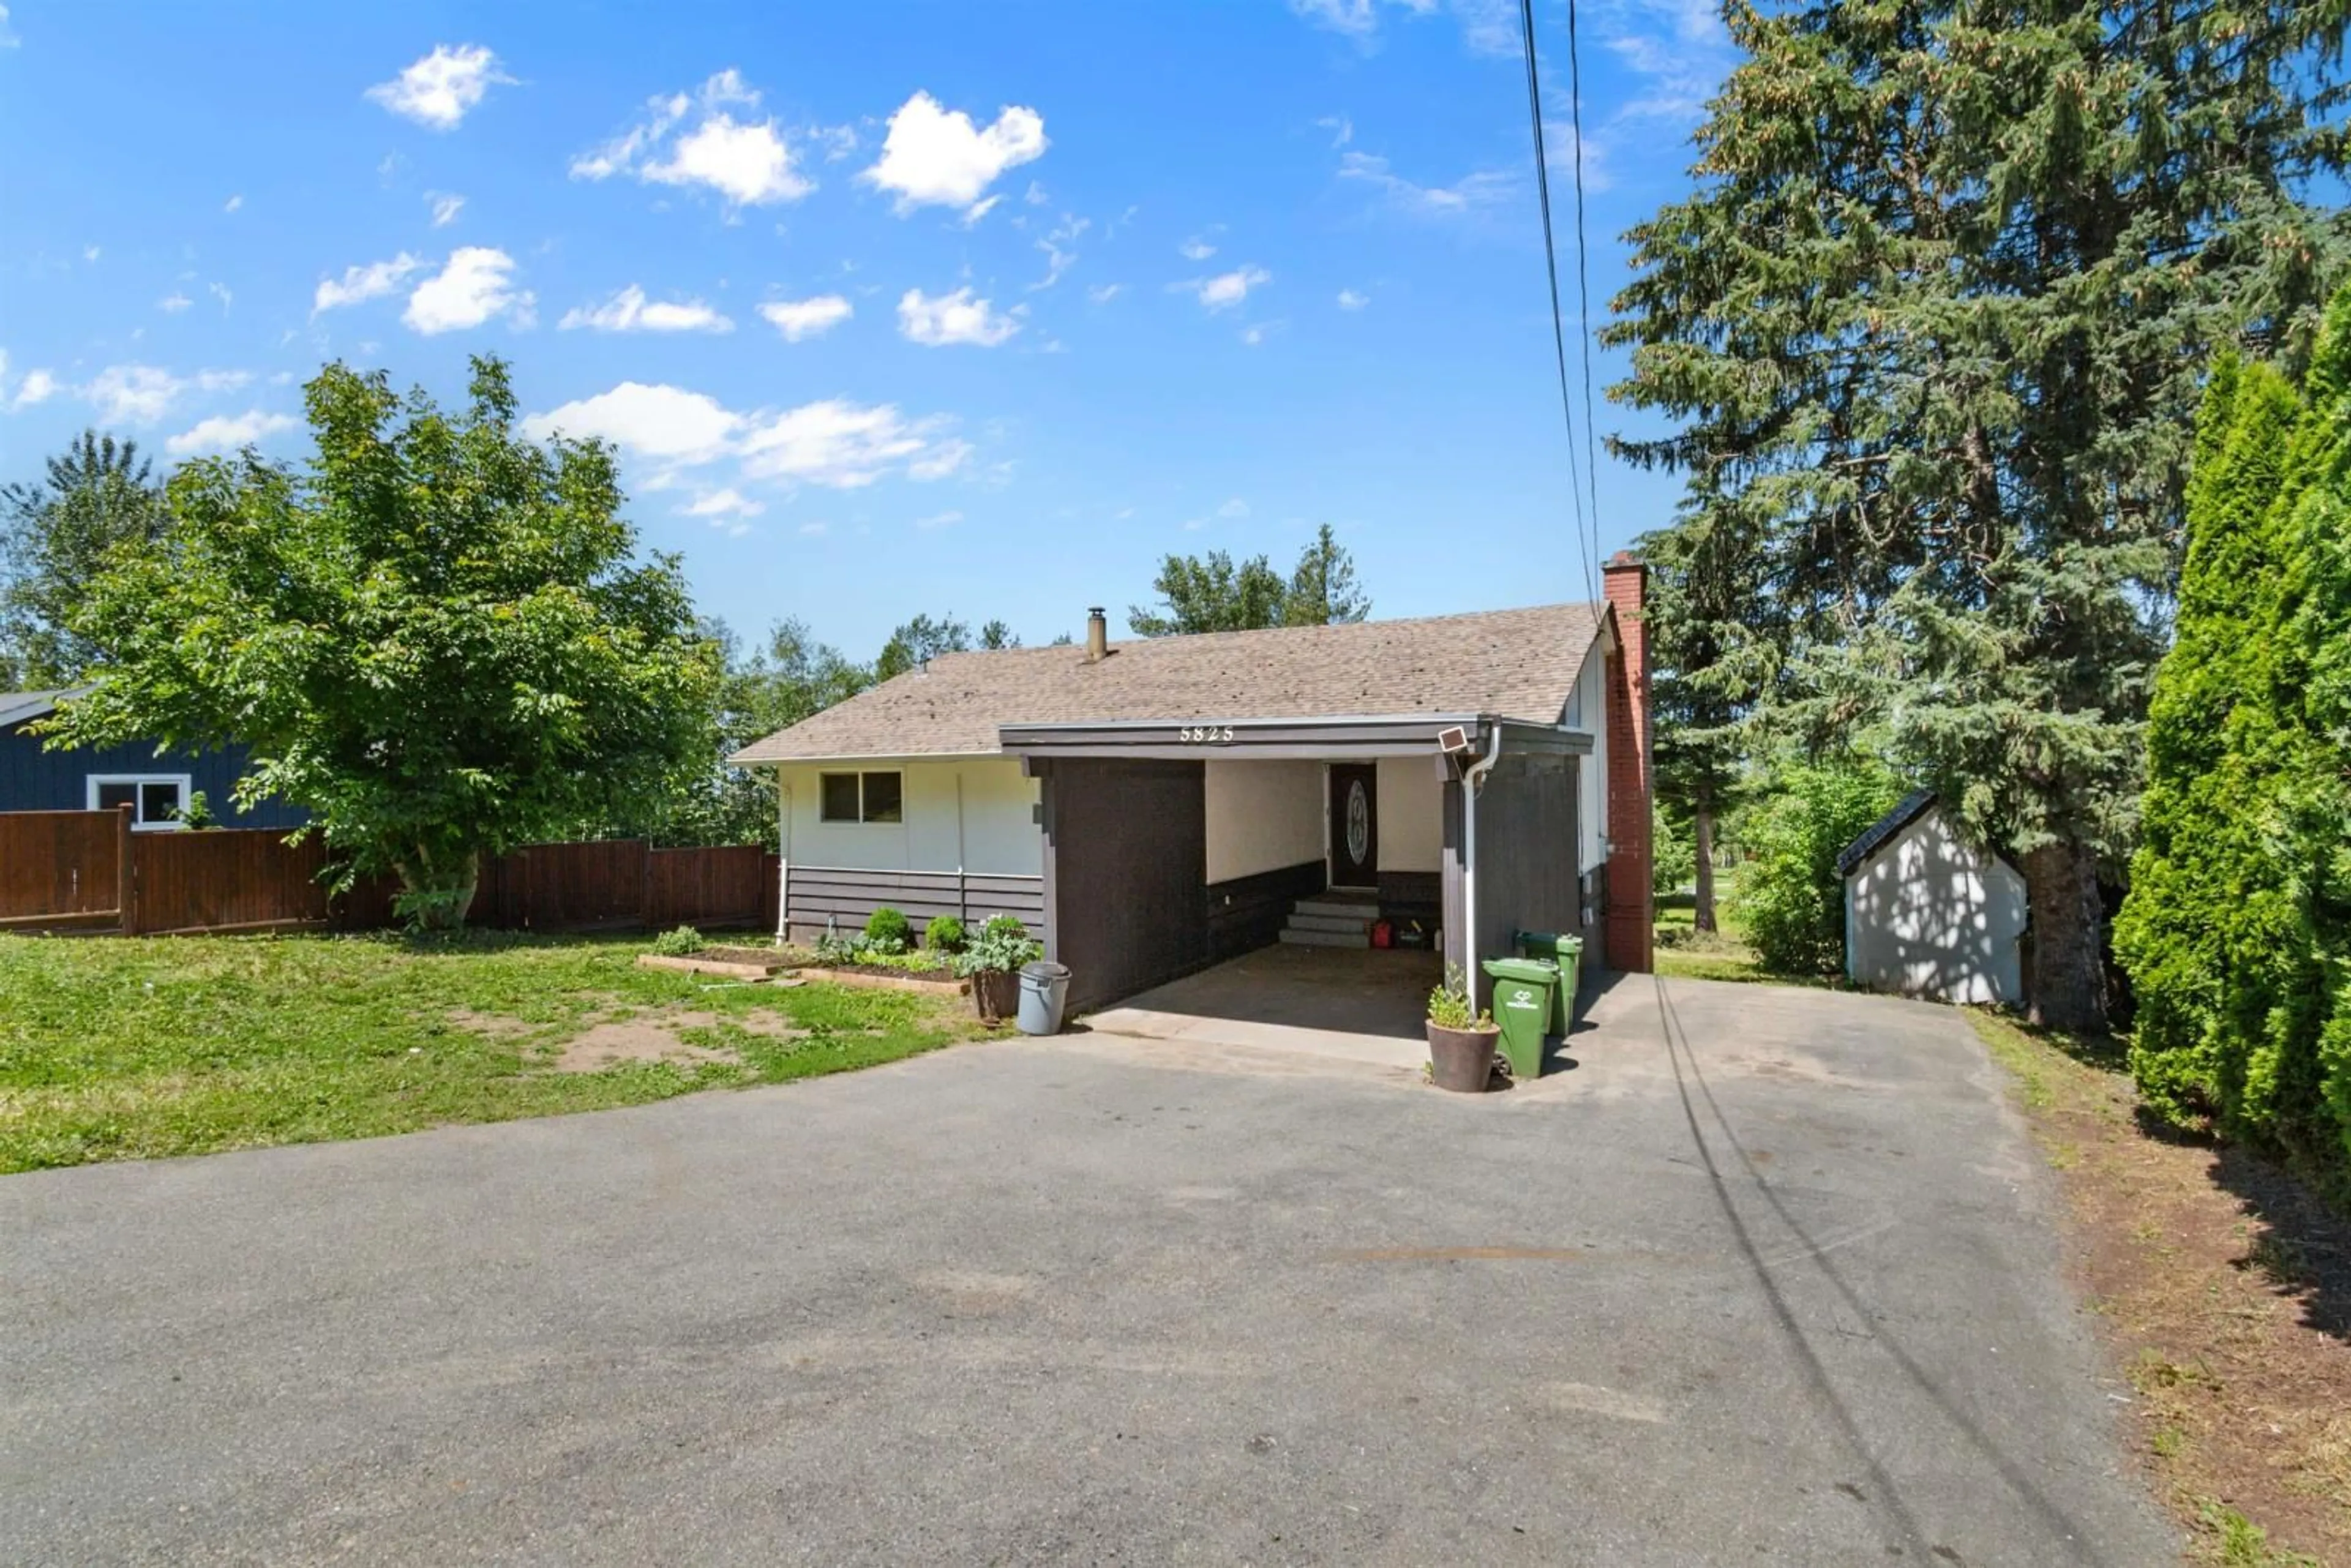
[
  {"x": 98, "y": 496},
  {"x": 1937, "y": 316}
]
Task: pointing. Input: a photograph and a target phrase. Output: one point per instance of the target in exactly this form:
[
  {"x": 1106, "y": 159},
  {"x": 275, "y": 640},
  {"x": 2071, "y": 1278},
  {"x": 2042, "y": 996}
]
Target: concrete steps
[{"x": 1332, "y": 920}]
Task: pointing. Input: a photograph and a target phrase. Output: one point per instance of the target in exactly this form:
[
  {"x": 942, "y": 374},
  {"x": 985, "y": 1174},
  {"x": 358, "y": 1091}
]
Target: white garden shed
[{"x": 1926, "y": 914}]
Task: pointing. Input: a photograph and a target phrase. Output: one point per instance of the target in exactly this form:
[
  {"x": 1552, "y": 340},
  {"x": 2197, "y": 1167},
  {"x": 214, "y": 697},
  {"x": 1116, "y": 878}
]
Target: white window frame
[
  {"x": 860, "y": 774},
  {"x": 139, "y": 781}
]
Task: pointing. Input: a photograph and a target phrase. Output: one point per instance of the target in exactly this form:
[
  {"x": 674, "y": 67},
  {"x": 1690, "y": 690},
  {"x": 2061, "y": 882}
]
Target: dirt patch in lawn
[
  {"x": 493, "y": 1025},
  {"x": 2224, "y": 1286},
  {"x": 658, "y": 1037}
]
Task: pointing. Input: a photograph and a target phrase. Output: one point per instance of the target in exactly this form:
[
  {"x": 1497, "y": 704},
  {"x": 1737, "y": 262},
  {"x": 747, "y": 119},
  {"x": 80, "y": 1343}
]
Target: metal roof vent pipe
[{"x": 1097, "y": 635}]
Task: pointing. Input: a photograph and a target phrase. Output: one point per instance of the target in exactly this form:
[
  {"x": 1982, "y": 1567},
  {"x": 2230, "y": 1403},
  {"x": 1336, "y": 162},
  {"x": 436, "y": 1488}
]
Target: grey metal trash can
[{"x": 1044, "y": 987}]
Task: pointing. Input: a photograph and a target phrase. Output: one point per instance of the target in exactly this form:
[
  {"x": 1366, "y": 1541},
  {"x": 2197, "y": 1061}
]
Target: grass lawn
[
  {"x": 2223, "y": 1289},
  {"x": 124, "y": 1049}
]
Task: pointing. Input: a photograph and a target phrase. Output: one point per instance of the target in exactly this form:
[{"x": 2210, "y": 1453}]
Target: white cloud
[
  {"x": 137, "y": 394},
  {"x": 90, "y": 253},
  {"x": 1035, "y": 195},
  {"x": 979, "y": 210},
  {"x": 659, "y": 422},
  {"x": 220, "y": 292},
  {"x": 445, "y": 207},
  {"x": 1342, "y": 129},
  {"x": 1103, "y": 293},
  {"x": 1233, "y": 508},
  {"x": 1683, "y": 64},
  {"x": 1484, "y": 188},
  {"x": 8, "y": 39},
  {"x": 1227, "y": 288},
  {"x": 937, "y": 320},
  {"x": 38, "y": 386},
  {"x": 1257, "y": 332},
  {"x": 938, "y": 520},
  {"x": 842, "y": 444},
  {"x": 1196, "y": 249},
  {"x": 370, "y": 281},
  {"x": 834, "y": 443},
  {"x": 720, "y": 505},
  {"x": 747, "y": 161},
  {"x": 936, "y": 157},
  {"x": 438, "y": 90},
  {"x": 1351, "y": 301},
  {"x": 816, "y": 530},
  {"x": 172, "y": 304},
  {"x": 628, "y": 311},
  {"x": 1487, "y": 26},
  {"x": 798, "y": 319},
  {"x": 475, "y": 285},
  {"x": 1059, "y": 256},
  {"x": 225, "y": 434},
  {"x": 234, "y": 203}
]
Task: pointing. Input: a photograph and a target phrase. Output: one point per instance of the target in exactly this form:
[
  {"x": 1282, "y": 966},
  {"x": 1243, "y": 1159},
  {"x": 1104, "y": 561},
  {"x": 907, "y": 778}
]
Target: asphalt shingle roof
[
  {"x": 16, "y": 707},
  {"x": 1510, "y": 663}
]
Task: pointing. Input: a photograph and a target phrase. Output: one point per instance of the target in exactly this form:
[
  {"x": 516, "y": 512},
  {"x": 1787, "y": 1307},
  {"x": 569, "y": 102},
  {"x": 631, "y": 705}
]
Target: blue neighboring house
[{"x": 100, "y": 778}]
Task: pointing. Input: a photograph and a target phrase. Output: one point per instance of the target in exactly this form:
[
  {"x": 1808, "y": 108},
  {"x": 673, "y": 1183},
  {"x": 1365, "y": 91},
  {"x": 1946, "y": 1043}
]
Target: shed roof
[
  {"x": 1875, "y": 837},
  {"x": 18, "y": 707},
  {"x": 1508, "y": 663}
]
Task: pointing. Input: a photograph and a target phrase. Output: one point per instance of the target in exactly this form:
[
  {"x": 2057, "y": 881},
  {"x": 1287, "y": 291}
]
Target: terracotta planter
[
  {"x": 1462, "y": 1060},
  {"x": 997, "y": 994}
]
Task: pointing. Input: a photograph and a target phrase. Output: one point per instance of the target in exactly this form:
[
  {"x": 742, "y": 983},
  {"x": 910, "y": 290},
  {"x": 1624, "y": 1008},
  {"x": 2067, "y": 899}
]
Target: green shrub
[
  {"x": 944, "y": 933},
  {"x": 1449, "y": 1005},
  {"x": 2237, "y": 926},
  {"x": 1673, "y": 865},
  {"x": 682, "y": 942},
  {"x": 888, "y": 930},
  {"x": 1789, "y": 899},
  {"x": 1003, "y": 945}
]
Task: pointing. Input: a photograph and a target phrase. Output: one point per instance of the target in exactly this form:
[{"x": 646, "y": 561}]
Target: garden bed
[
  {"x": 932, "y": 982},
  {"x": 734, "y": 963}
]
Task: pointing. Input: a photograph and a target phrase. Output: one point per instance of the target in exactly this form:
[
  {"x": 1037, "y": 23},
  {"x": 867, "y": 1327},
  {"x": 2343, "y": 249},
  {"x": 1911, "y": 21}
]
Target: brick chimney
[{"x": 1628, "y": 923}]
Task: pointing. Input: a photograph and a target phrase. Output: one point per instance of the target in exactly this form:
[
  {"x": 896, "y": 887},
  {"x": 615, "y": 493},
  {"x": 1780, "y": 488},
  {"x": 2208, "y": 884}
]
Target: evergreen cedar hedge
[{"x": 2237, "y": 929}]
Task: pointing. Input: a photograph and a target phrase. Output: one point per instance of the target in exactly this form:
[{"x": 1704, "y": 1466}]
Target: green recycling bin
[
  {"x": 1567, "y": 952},
  {"x": 1523, "y": 1006}
]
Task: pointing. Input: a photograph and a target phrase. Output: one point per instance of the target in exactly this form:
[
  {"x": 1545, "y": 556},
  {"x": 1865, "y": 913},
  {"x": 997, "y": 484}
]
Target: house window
[
  {"x": 156, "y": 800},
  {"x": 861, "y": 796}
]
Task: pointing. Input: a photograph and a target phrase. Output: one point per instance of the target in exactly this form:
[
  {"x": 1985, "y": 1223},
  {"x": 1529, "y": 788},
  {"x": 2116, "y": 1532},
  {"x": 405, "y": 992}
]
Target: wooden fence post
[{"x": 126, "y": 891}]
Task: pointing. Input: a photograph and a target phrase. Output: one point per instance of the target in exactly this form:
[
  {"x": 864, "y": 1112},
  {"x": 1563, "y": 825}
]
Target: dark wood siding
[
  {"x": 1248, "y": 912},
  {"x": 32, "y": 780},
  {"x": 1126, "y": 854},
  {"x": 1526, "y": 851},
  {"x": 822, "y": 896}
]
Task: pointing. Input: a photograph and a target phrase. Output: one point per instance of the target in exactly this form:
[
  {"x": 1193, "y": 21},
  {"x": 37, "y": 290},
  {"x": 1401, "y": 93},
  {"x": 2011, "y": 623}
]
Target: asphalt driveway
[{"x": 1790, "y": 1293}]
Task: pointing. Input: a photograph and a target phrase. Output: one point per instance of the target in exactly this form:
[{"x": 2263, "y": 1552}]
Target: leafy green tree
[
  {"x": 995, "y": 636},
  {"x": 1212, "y": 593},
  {"x": 2237, "y": 930},
  {"x": 438, "y": 639},
  {"x": 1789, "y": 899},
  {"x": 1323, "y": 588},
  {"x": 55, "y": 536},
  {"x": 1936, "y": 319},
  {"x": 918, "y": 642}
]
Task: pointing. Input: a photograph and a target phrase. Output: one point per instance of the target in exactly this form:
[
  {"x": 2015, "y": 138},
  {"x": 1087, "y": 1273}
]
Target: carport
[{"x": 1360, "y": 1005}]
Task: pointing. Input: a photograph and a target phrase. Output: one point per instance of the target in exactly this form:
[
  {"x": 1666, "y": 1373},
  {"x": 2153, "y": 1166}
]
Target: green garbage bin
[
  {"x": 1567, "y": 952},
  {"x": 1523, "y": 1006}
]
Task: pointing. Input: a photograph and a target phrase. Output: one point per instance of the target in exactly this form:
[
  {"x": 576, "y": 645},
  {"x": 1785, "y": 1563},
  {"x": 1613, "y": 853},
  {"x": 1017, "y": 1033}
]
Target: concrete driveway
[{"x": 1769, "y": 1277}]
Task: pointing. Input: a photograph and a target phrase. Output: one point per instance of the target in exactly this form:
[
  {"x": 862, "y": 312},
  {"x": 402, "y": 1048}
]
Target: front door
[{"x": 1354, "y": 825}]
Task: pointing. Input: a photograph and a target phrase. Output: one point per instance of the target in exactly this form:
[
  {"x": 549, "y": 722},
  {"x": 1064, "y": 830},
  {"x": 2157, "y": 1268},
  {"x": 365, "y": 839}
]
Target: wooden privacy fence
[{"x": 64, "y": 871}]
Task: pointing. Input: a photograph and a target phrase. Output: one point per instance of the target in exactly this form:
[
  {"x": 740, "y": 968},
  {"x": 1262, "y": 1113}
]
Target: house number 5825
[{"x": 1206, "y": 734}]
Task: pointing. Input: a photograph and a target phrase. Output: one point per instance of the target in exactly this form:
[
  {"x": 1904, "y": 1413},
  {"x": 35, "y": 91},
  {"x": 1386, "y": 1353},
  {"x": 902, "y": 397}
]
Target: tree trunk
[
  {"x": 2066, "y": 984},
  {"x": 436, "y": 897},
  {"x": 1702, "y": 819}
]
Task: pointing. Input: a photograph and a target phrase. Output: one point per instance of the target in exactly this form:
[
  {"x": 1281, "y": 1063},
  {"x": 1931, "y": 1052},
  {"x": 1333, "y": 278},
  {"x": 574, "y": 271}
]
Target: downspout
[
  {"x": 1471, "y": 777},
  {"x": 963, "y": 882},
  {"x": 783, "y": 858}
]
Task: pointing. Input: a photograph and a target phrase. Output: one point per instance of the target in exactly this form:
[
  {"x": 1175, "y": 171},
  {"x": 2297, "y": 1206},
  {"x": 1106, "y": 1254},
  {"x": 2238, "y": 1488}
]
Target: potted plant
[
  {"x": 992, "y": 963},
  {"x": 1460, "y": 1042}
]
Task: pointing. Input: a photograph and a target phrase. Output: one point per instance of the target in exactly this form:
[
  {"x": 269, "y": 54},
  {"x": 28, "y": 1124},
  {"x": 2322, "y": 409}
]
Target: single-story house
[
  {"x": 154, "y": 785},
  {"x": 1928, "y": 914},
  {"x": 1153, "y": 807}
]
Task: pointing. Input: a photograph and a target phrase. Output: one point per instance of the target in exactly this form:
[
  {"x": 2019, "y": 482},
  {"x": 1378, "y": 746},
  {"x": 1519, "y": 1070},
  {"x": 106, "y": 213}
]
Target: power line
[
  {"x": 1583, "y": 276},
  {"x": 1584, "y": 545}
]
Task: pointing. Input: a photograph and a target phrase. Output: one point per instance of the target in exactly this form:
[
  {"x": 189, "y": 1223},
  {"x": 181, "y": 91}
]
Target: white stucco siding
[
  {"x": 1928, "y": 916},
  {"x": 998, "y": 831},
  {"x": 1262, "y": 816},
  {"x": 1412, "y": 814}
]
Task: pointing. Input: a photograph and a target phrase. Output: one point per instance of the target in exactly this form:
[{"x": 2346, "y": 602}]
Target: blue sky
[{"x": 951, "y": 308}]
